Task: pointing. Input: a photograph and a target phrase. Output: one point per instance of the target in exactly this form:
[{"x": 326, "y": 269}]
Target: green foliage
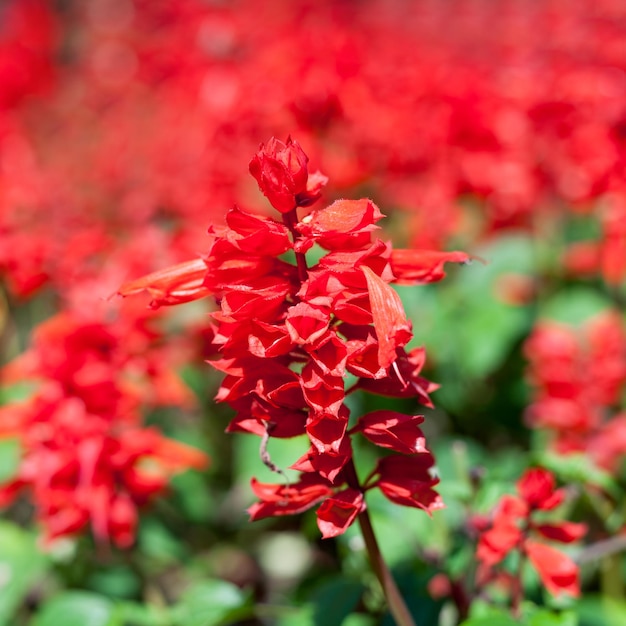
[
  {"x": 21, "y": 565},
  {"x": 77, "y": 608},
  {"x": 212, "y": 603},
  {"x": 10, "y": 455}
]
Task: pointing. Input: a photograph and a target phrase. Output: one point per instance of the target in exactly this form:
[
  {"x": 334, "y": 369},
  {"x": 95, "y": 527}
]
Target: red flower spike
[
  {"x": 286, "y": 334},
  {"x": 336, "y": 514},
  {"x": 393, "y": 430},
  {"x": 419, "y": 267},
  {"x": 557, "y": 571},
  {"x": 393, "y": 330},
  {"x": 174, "y": 285}
]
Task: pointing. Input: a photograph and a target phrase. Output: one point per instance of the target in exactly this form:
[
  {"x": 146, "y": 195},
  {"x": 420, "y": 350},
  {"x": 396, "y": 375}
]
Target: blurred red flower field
[{"x": 312, "y": 312}]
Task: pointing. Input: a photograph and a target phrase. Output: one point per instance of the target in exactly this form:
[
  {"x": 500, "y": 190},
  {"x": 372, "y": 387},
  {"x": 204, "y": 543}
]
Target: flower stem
[
  {"x": 397, "y": 606},
  {"x": 290, "y": 220}
]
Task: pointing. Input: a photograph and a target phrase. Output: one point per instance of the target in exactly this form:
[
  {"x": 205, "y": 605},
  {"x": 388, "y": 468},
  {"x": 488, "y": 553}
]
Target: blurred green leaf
[
  {"x": 21, "y": 564},
  {"x": 550, "y": 618},
  {"x": 16, "y": 392},
  {"x": 193, "y": 496},
  {"x": 497, "y": 619},
  {"x": 579, "y": 468},
  {"x": 335, "y": 599},
  {"x": 575, "y": 306},
  {"x": 10, "y": 456},
  {"x": 595, "y": 610},
  {"x": 302, "y": 616},
  {"x": 283, "y": 453},
  {"x": 157, "y": 541},
  {"x": 77, "y": 608},
  {"x": 359, "y": 619},
  {"x": 118, "y": 582},
  {"x": 212, "y": 603}
]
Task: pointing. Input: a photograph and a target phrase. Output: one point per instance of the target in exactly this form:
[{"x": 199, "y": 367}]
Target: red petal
[
  {"x": 412, "y": 267},
  {"x": 279, "y": 500},
  {"x": 336, "y": 514},
  {"x": 565, "y": 532},
  {"x": 342, "y": 217},
  {"x": 392, "y": 328},
  {"x": 173, "y": 285},
  {"x": 557, "y": 571},
  {"x": 396, "y": 431}
]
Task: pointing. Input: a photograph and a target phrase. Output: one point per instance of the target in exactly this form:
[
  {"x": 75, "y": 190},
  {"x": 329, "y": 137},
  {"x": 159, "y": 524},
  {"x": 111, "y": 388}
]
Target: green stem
[{"x": 397, "y": 606}]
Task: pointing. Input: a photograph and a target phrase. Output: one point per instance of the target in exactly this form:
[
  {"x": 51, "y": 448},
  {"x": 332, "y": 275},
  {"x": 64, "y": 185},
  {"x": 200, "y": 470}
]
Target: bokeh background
[{"x": 497, "y": 127}]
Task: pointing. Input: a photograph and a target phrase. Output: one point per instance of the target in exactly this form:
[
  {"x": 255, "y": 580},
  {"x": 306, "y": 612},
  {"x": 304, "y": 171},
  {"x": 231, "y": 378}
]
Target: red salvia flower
[
  {"x": 514, "y": 524},
  {"x": 286, "y": 335},
  {"x": 86, "y": 459}
]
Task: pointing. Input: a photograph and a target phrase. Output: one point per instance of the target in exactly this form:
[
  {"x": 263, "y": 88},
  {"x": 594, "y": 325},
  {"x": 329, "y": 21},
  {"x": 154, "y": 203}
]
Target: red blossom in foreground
[
  {"x": 515, "y": 521},
  {"x": 286, "y": 335}
]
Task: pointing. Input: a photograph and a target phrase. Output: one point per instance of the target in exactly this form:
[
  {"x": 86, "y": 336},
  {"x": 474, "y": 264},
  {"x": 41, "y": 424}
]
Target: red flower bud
[{"x": 281, "y": 171}]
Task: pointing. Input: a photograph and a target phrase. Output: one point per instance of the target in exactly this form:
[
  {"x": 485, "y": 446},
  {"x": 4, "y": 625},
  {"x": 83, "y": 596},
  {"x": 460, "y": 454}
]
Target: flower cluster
[
  {"x": 288, "y": 334},
  {"x": 517, "y": 519},
  {"x": 86, "y": 460},
  {"x": 579, "y": 375}
]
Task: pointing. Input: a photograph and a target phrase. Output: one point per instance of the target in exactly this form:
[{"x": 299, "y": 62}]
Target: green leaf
[
  {"x": 21, "y": 564},
  {"x": 136, "y": 614},
  {"x": 335, "y": 599},
  {"x": 596, "y": 610},
  {"x": 302, "y": 616},
  {"x": 283, "y": 453},
  {"x": 359, "y": 619},
  {"x": 10, "y": 456},
  {"x": 492, "y": 620},
  {"x": 157, "y": 541},
  {"x": 17, "y": 392},
  {"x": 575, "y": 306},
  {"x": 578, "y": 468},
  {"x": 212, "y": 603},
  {"x": 77, "y": 608},
  {"x": 550, "y": 618},
  {"x": 118, "y": 582}
]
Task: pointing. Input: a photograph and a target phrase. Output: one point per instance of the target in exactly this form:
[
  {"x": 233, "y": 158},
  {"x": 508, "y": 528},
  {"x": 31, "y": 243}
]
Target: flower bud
[{"x": 281, "y": 171}]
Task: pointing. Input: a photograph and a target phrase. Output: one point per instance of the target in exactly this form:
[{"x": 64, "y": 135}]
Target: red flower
[
  {"x": 288, "y": 499},
  {"x": 393, "y": 430},
  {"x": 174, "y": 285},
  {"x": 286, "y": 334},
  {"x": 512, "y": 526},
  {"x": 282, "y": 173},
  {"x": 412, "y": 267},
  {"x": 337, "y": 513}
]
